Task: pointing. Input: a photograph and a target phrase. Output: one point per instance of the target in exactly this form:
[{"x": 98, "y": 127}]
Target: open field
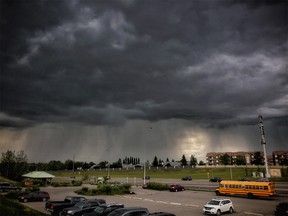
[{"x": 234, "y": 173}]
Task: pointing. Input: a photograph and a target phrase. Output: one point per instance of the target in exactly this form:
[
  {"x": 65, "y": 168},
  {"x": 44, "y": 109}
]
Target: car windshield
[
  {"x": 80, "y": 204},
  {"x": 214, "y": 202},
  {"x": 99, "y": 209}
]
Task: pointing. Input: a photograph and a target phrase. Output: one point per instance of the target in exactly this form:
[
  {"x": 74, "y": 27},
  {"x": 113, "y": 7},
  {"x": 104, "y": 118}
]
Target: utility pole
[
  {"x": 263, "y": 143},
  {"x": 73, "y": 162}
]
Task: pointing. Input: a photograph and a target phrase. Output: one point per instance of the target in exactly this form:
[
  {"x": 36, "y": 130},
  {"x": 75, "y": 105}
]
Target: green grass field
[{"x": 178, "y": 173}]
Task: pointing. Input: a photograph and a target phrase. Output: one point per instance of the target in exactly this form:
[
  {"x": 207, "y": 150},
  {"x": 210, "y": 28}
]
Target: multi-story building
[
  {"x": 213, "y": 158},
  {"x": 280, "y": 158}
]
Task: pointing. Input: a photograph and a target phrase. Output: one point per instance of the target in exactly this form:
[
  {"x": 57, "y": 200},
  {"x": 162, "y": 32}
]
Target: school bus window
[
  {"x": 261, "y": 187},
  {"x": 265, "y": 187},
  {"x": 257, "y": 187},
  {"x": 236, "y": 186}
]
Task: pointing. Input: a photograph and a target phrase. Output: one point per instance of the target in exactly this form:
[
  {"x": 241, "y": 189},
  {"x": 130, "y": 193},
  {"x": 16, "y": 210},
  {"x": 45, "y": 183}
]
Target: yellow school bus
[{"x": 247, "y": 188}]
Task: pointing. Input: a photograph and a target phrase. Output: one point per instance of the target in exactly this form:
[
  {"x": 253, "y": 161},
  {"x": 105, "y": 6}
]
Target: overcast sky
[{"x": 143, "y": 78}]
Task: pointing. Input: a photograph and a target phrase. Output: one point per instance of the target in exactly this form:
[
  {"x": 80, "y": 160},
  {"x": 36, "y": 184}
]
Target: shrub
[
  {"x": 157, "y": 186},
  {"x": 9, "y": 207},
  {"x": 105, "y": 189},
  {"x": 12, "y": 194},
  {"x": 77, "y": 183}
]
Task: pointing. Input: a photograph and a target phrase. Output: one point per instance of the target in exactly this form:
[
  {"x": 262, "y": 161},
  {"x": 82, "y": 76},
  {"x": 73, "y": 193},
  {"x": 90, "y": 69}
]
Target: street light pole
[
  {"x": 231, "y": 176},
  {"x": 263, "y": 143}
]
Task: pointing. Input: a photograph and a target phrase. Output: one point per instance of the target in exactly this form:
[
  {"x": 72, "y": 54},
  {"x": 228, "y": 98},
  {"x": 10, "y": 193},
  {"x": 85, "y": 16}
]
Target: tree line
[{"x": 14, "y": 164}]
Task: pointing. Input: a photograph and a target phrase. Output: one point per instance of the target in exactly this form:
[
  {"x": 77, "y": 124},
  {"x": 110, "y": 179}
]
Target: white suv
[{"x": 217, "y": 206}]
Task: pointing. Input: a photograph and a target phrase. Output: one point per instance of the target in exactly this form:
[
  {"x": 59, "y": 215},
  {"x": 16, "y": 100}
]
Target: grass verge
[{"x": 11, "y": 207}]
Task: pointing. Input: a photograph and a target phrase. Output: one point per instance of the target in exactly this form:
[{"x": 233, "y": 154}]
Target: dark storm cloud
[{"x": 105, "y": 62}]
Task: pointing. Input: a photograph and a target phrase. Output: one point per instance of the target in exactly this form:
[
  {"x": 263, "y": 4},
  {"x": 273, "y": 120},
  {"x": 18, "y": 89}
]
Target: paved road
[{"x": 181, "y": 203}]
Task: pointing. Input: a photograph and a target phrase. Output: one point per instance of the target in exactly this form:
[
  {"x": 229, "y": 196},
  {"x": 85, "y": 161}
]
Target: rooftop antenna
[{"x": 263, "y": 143}]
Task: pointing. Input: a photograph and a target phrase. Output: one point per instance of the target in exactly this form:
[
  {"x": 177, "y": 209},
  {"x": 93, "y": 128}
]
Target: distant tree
[
  {"x": 201, "y": 163},
  {"x": 13, "y": 165},
  {"x": 155, "y": 162},
  {"x": 183, "y": 161},
  {"x": 117, "y": 164},
  {"x": 240, "y": 160},
  {"x": 224, "y": 159},
  {"x": 193, "y": 161},
  {"x": 103, "y": 164},
  {"x": 55, "y": 165},
  {"x": 91, "y": 164},
  {"x": 167, "y": 160},
  {"x": 258, "y": 159},
  {"x": 69, "y": 164},
  {"x": 160, "y": 162}
]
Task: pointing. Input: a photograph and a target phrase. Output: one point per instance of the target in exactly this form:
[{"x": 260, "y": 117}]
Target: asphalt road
[{"x": 188, "y": 202}]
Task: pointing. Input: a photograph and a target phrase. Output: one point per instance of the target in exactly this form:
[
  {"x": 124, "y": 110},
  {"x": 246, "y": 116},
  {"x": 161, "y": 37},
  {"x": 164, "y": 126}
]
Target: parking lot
[{"x": 188, "y": 202}]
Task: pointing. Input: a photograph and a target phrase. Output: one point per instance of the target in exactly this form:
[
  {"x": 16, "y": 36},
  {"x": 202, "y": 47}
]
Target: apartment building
[
  {"x": 277, "y": 158},
  {"x": 213, "y": 158},
  {"x": 280, "y": 158}
]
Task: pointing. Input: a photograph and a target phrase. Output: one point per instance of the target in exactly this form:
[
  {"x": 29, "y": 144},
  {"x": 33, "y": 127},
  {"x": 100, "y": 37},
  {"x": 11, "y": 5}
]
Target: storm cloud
[{"x": 184, "y": 77}]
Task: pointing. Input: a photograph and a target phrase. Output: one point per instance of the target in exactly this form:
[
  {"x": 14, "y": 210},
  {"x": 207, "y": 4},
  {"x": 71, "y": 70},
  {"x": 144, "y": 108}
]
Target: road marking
[
  {"x": 137, "y": 198},
  {"x": 251, "y": 213},
  {"x": 150, "y": 200},
  {"x": 190, "y": 205},
  {"x": 162, "y": 202},
  {"x": 173, "y": 203}
]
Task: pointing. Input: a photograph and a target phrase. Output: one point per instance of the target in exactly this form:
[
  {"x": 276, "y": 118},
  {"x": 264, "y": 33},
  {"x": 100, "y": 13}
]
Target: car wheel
[
  {"x": 217, "y": 193},
  {"x": 250, "y": 195},
  {"x": 44, "y": 199},
  {"x": 218, "y": 212},
  {"x": 25, "y": 200},
  {"x": 231, "y": 210}
]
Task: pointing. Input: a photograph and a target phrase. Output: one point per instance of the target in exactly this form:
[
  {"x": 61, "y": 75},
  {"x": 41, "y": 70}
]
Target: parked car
[
  {"x": 281, "y": 209},
  {"x": 104, "y": 209},
  {"x": 82, "y": 207},
  {"x": 6, "y": 186},
  {"x": 218, "y": 206},
  {"x": 175, "y": 188},
  {"x": 54, "y": 207},
  {"x": 187, "y": 178},
  {"x": 215, "y": 179},
  {"x": 34, "y": 196},
  {"x": 135, "y": 211}
]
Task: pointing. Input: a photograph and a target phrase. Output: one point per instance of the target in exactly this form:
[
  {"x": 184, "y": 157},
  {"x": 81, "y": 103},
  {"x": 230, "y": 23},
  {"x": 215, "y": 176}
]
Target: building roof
[{"x": 38, "y": 174}]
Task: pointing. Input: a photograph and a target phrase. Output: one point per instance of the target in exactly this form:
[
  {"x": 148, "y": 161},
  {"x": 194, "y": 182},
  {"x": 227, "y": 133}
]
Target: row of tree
[{"x": 14, "y": 164}]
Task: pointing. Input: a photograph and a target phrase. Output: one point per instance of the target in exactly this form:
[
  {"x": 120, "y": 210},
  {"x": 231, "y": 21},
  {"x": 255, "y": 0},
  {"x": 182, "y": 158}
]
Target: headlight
[{"x": 69, "y": 212}]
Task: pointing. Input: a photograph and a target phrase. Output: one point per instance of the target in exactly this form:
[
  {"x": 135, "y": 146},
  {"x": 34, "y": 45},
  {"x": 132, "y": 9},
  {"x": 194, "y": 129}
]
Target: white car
[{"x": 217, "y": 206}]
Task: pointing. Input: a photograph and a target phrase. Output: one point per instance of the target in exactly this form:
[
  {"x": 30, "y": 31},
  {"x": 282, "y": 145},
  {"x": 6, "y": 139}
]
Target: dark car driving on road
[
  {"x": 34, "y": 196},
  {"x": 187, "y": 178},
  {"x": 175, "y": 188},
  {"x": 215, "y": 179}
]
